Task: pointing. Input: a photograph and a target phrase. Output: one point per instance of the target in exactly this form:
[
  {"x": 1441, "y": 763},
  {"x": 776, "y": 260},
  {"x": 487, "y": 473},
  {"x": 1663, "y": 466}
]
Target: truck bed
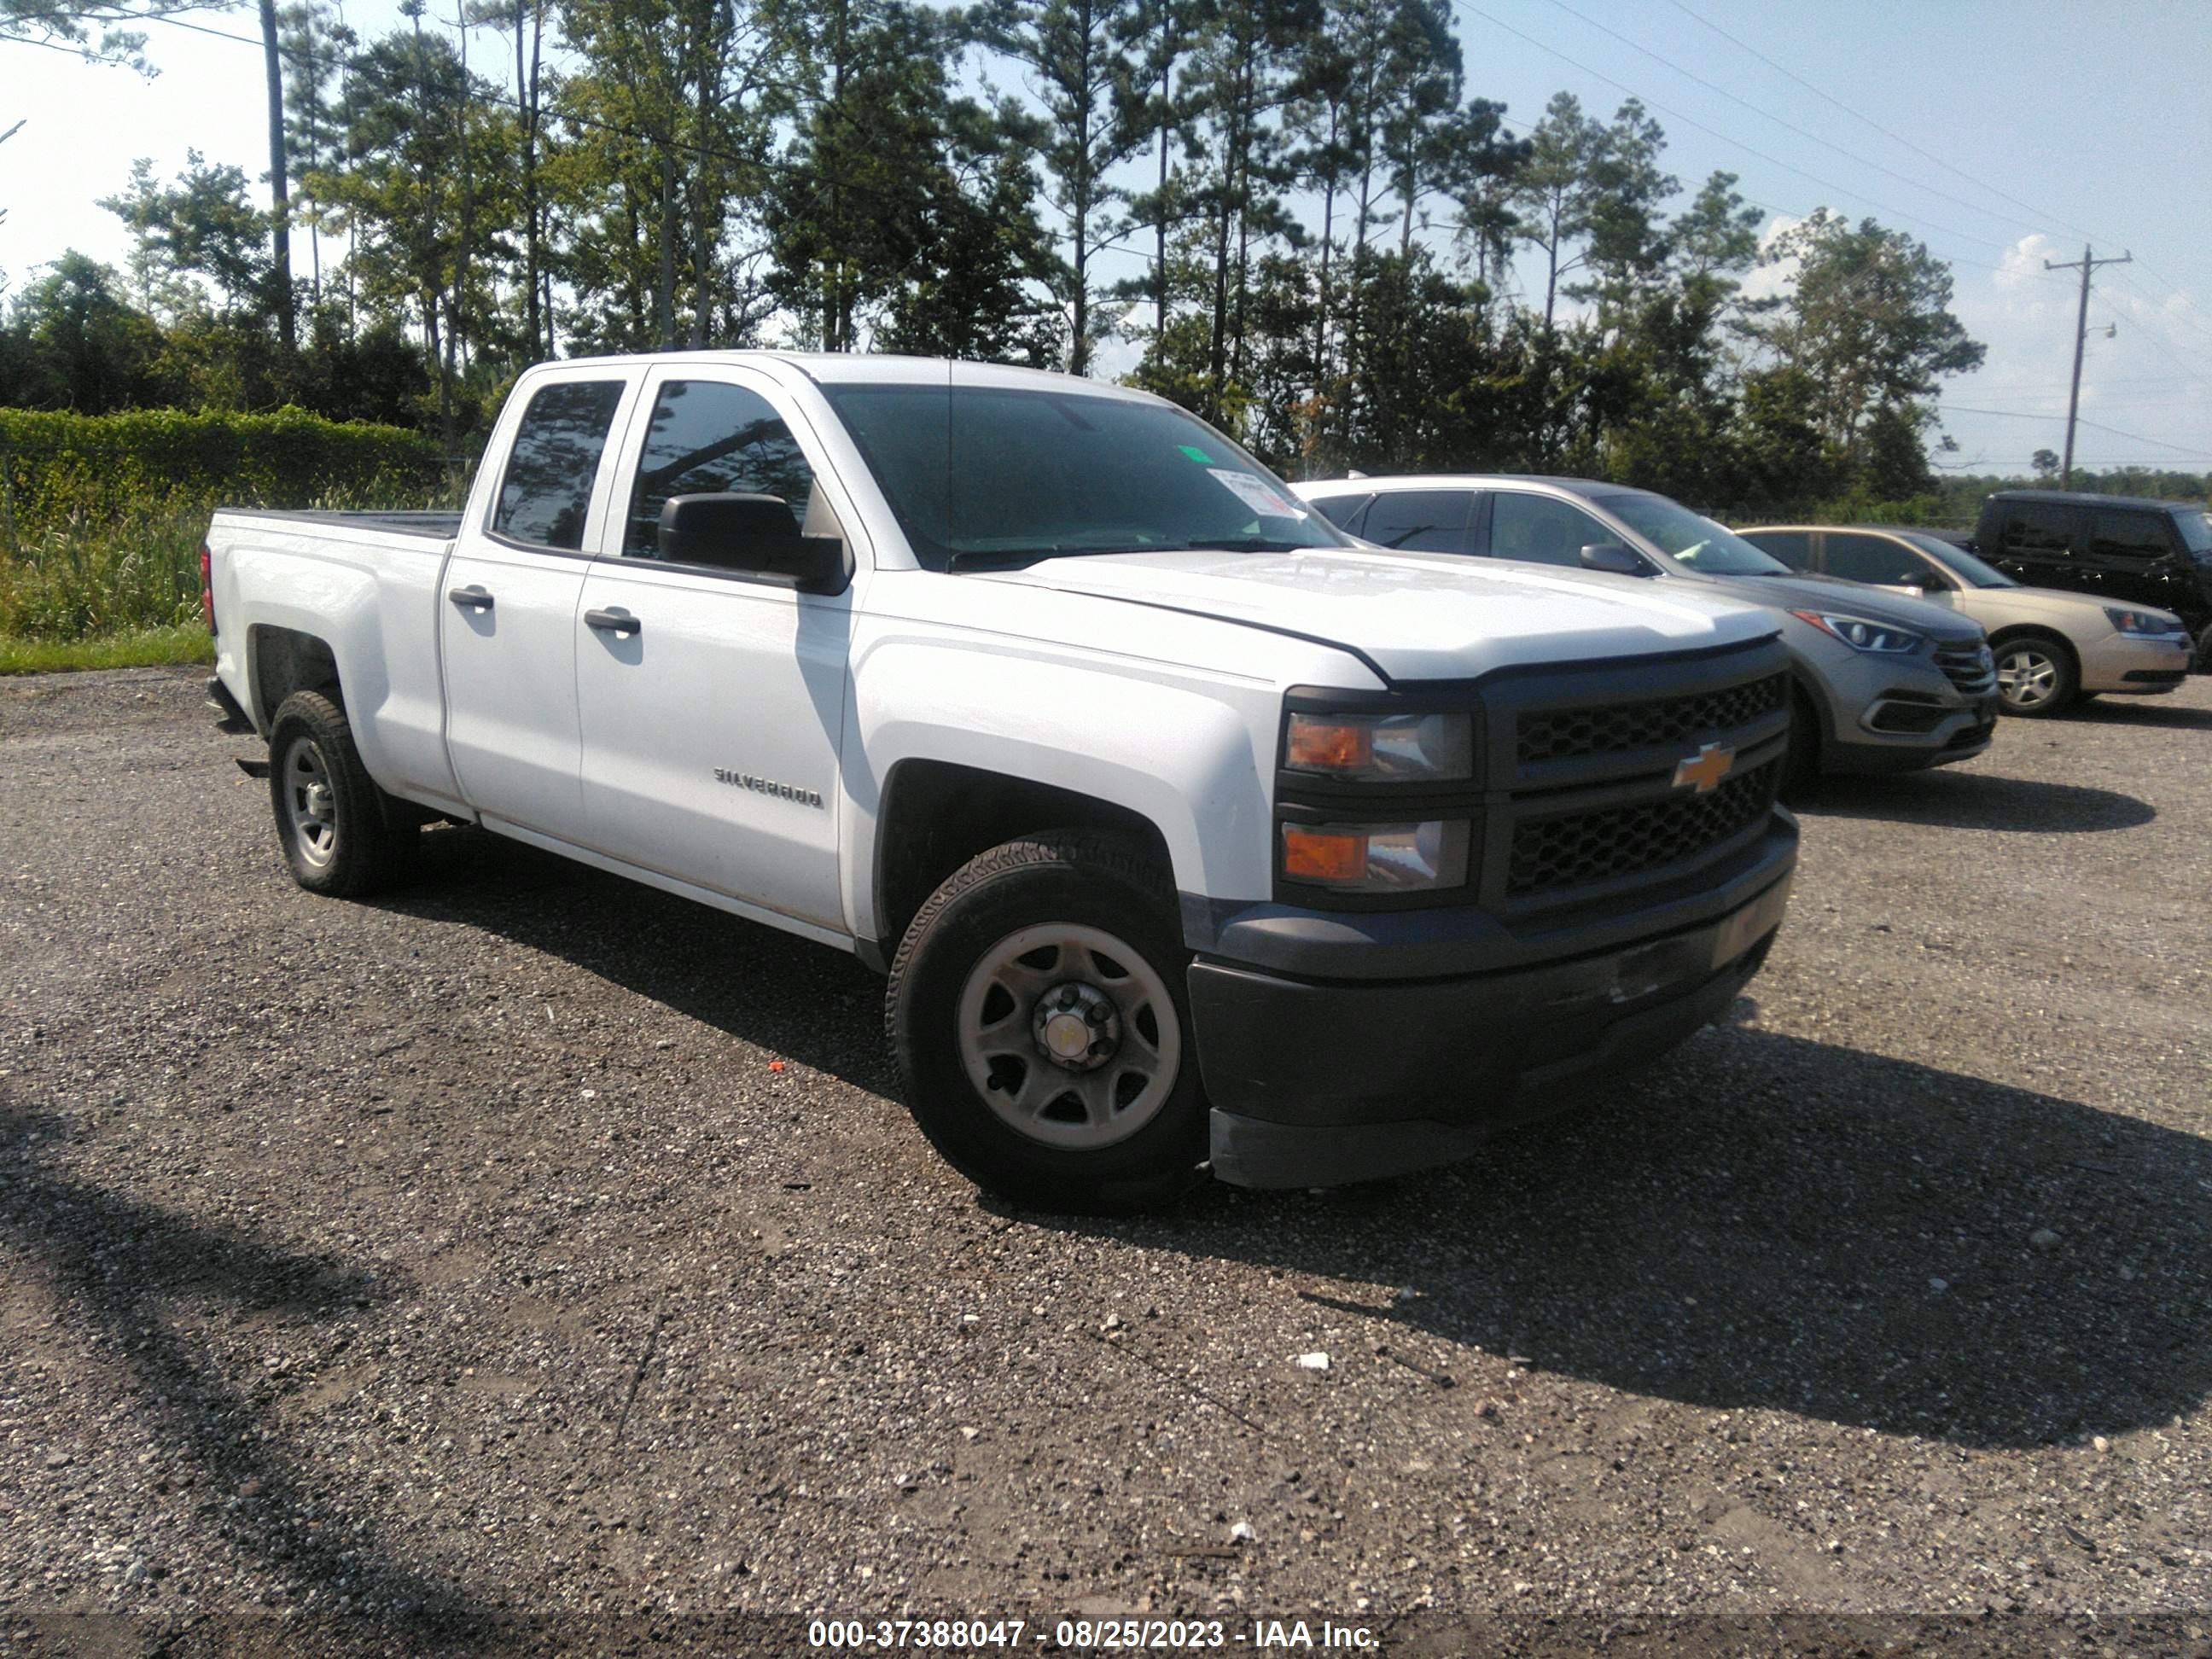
[{"x": 434, "y": 525}]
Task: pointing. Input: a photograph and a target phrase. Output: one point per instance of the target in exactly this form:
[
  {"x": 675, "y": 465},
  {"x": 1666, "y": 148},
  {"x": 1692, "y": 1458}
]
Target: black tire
[
  {"x": 2204, "y": 651},
  {"x": 1801, "y": 761},
  {"x": 347, "y": 840},
  {"x": 942, "y": 983},
  {"x": 2045, "y": 679}
]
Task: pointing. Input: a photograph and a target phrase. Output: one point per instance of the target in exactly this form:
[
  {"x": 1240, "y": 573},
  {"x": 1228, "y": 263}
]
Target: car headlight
[
  {"x": 1863, "y": 634},
  {"x": 1382, "y": 748},
  {"x": 1376, "y": 858},
  {"x": 2143, "y": 622}
]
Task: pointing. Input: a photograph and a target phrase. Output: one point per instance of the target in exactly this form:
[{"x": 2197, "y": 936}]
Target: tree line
[{"x": 1291, "y": 216}]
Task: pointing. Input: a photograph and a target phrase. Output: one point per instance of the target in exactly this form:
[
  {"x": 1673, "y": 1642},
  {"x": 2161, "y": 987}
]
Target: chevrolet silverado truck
[{"x": 1191, "y": 836}]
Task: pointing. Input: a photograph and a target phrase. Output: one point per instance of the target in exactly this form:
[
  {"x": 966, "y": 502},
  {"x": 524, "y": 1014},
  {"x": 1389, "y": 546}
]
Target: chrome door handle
[
  {"x": 618, "y": 623},
  {"x": 470, "y": 597}
]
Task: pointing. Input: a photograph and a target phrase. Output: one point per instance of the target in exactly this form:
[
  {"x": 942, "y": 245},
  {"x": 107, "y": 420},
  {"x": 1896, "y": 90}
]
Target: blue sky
[{"x": 2001, "y": 134}]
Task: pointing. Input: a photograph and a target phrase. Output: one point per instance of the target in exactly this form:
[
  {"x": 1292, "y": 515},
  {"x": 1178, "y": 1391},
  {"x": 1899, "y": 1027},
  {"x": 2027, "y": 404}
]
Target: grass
[
  {"x": 138, "y": 647},
  {"x": 119, "y": 588}
]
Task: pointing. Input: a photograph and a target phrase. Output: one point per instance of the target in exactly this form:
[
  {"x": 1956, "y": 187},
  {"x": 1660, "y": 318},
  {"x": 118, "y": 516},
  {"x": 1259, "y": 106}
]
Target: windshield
[
  {"x": 2196, "y": 527},
  {"x": 1959, "y": 563},
  {"x": 1697, "y": 542},
  {"x": 992, "y": 476}
]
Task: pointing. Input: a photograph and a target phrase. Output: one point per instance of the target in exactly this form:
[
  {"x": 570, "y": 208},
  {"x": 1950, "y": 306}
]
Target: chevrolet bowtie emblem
[{"x": 1703, "y": 770}]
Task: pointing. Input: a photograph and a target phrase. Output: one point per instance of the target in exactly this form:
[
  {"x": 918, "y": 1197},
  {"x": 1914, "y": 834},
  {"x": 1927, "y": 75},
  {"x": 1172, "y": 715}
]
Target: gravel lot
[{"x": 387, "y": 1277}]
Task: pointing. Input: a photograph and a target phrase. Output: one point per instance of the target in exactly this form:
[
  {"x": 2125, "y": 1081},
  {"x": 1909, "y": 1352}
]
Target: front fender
[{"x": 1190, "y": 753}]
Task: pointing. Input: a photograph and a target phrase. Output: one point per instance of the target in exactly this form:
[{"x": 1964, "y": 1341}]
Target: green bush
[
  {"x": 101, "y": 516},
  {"x": 57, "y": 467}
]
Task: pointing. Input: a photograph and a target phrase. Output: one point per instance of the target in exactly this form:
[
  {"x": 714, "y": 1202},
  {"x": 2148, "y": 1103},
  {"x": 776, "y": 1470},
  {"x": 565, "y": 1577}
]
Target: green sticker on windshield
[{"x": 1196, "y": 454}]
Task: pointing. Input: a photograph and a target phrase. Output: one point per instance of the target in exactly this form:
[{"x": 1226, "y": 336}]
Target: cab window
[
  {"x": 1875, "y": 559},
  {"x": 708, "y": 437},
  {"x": 1793, "y": 547},
  {"x": 1421, "y": 520},
  {"x": 546, "y": 494},
  {"x": 1542, "y": 529},
  {"x": 1342, "y": 511},
  {"x": 2130, "y": 535},
  {"x": 2043, "y": 528}
]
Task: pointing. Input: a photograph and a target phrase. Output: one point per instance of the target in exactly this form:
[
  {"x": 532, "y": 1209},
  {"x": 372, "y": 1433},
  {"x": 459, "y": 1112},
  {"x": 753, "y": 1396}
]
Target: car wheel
[
  {"x": 2036, "y": 676},
  {"x": 1038, "y": 1013},
  {"x": 2204, "y": 651},
  {"x": 1800, "y": 760},
  {"x": 331, "y": 819}
]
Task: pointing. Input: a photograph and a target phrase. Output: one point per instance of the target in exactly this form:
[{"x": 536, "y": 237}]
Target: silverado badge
[{"x": 1703, "y": 770}]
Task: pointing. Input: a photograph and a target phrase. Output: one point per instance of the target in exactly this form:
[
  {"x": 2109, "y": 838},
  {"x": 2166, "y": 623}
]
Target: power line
[
  {"x": 1737, "y": 143},
  {"x": 2027, "y": 414},
  {"x": 1789, "y": 126},
  {"x": 1859, "y": 116}
]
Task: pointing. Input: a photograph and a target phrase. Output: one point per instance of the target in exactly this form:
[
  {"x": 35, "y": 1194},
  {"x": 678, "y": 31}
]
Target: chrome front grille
[{"x": 1969, "y": 667}]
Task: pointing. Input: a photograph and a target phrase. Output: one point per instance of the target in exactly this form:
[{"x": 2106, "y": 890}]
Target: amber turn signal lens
[
  {"x": 1323, "y": 855},
  {"x": 1324, "y": 745}
]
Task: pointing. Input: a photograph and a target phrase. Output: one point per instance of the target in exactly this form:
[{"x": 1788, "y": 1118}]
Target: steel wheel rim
[
  {"x": 310, "y": 806},
  {"x": 1075, "y": 1103},
  {"x": 2027, "y": 677}
]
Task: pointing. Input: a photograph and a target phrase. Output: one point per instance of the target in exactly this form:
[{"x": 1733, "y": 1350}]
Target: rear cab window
[{"x": 546, "y": 496}]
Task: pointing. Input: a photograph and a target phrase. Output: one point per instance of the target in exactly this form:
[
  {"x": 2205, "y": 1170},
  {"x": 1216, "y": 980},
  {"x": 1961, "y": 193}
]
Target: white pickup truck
[{"x": 1193, "y": 835}]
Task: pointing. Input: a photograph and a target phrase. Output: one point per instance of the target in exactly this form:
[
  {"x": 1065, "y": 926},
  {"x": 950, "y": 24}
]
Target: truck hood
[
  {"x": 1806, "y": 592},
  {"x": 1413, "y": 618}
]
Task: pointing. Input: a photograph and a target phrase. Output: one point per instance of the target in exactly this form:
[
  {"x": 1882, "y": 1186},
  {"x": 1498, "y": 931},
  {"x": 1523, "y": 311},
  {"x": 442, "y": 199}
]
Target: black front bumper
[{"x": 1318, "y": 1082}]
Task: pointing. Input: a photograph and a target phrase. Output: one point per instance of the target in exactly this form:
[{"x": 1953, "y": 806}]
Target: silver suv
[{"x": 1883, "y": 683}]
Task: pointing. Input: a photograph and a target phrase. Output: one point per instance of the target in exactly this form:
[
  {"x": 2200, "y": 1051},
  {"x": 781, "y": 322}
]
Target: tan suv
[{"x": 2053, "y": 648}]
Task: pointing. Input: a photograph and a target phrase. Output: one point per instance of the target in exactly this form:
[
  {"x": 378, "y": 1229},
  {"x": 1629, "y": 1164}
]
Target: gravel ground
[{"x": 528, "y": 1245}]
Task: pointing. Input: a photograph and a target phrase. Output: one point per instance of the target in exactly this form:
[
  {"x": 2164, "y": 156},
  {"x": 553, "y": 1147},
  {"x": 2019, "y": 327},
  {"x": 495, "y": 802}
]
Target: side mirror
[
  {"x": 755, "y": 534},
  {"x": 1614, "y": 557}
]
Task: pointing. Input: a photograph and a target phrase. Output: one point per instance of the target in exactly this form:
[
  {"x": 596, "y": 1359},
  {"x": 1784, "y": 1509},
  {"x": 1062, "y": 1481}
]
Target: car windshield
[
  {"x": 1695, "y": 541},
  {"x": 994, "y": 477},
  {"x": 1959, "y": 563},
  {"x": 2196, "y": 527}
]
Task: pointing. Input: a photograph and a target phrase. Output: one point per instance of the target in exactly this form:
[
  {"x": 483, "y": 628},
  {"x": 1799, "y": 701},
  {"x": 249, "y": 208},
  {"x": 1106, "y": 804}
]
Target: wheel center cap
[
  {"x": 1076, "y": 1027},
  {"x": 319, "y": 800}
]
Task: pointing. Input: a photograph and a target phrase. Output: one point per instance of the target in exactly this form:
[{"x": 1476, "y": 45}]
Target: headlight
[
  {"x": 1376, "y": 858},
  {"x": 1382, "y": 748},
  {"x": 2143, "y": 622},
  {"x": 1863, "y": 634}
]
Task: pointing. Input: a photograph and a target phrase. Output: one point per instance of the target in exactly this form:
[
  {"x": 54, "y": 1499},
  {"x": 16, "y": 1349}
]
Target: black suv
[{"x": 2119, "y": 547}]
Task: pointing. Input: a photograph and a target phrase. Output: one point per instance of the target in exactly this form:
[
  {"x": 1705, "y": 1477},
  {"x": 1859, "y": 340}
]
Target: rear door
[
  {"x": 2037, "y": 543},
  {"x": 713, "y": 699},
  {"x": 507, "y": 616}
]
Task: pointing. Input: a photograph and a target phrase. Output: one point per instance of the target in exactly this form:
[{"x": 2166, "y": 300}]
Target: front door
[
  {"x": 507, "y": 620},
  {"x": 713, "y": 699}
]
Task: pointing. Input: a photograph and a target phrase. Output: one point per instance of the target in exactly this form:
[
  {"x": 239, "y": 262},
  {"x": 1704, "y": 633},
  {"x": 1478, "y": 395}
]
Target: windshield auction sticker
[{"x": 1257, "y": 494}]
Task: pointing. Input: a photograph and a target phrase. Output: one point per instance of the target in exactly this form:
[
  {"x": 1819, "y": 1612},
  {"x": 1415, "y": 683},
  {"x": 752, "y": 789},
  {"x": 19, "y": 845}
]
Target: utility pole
[{"x": 2087, "y": 263}]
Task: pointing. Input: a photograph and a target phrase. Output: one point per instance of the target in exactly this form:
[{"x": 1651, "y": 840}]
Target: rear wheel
[
  {"x": 2204, "y": 651},
  {"x": 1037, "y": 1011},
  {"x": 2036, "y": 676},
  {"x": 336, "y": 827}
]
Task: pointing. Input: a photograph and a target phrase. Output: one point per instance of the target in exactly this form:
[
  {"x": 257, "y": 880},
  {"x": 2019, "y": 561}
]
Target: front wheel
[
  {"x": 1037, "y": 1011},
  {"x": 2036, "y": 677}
]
